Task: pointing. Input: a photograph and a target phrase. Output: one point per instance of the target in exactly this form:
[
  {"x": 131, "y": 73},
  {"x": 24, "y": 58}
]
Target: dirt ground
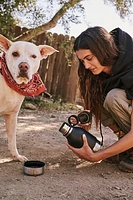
[{"x": 65, "y": 176}]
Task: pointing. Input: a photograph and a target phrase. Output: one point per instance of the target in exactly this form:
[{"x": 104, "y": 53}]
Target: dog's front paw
[{"x": 20, "y": 158}]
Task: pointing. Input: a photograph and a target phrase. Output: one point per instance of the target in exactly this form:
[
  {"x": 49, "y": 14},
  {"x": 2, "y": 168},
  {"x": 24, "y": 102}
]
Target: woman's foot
[
  {"x": 126, "y": 164},
  {"x": 117, "y": 158},
  {"x": 124, "y": 160}
]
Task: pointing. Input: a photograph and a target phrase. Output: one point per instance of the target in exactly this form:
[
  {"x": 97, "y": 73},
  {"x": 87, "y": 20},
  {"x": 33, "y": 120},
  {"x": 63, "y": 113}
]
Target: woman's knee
[{"x": 113, "y": 98}]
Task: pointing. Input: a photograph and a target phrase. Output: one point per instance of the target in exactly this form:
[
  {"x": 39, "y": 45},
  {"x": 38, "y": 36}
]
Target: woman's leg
[{"x": 117, "y": 110}]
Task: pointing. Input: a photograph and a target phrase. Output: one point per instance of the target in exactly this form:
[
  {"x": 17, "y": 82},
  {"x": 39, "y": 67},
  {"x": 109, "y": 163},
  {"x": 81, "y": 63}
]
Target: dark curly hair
[{"x": 102, "y": 45}]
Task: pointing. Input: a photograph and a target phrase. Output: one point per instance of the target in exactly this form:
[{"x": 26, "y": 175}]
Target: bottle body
[{"x": 74, "y": 136}]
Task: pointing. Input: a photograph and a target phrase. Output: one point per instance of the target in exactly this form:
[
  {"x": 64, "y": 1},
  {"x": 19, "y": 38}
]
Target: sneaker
[
  {"x": 126, "y": 164},
  {"x": 117, "y": 158},
  {"x": 119, "y": 134},
  {"x": 112, "y": 159}
]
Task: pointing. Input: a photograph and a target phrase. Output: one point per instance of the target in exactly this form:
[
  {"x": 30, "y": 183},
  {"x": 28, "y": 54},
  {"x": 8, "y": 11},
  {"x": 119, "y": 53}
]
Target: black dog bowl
[{"x": 34, "y": 167}]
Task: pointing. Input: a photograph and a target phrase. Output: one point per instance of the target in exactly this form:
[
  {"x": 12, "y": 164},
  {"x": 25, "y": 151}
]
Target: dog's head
[{"x": 23, "y": 58}]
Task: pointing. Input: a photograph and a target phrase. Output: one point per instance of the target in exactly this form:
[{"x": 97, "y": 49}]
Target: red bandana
[{"x": 33, "y": 88}]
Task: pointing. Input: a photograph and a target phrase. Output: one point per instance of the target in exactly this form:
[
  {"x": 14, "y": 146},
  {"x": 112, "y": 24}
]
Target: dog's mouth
[
  {"x": 23, "y": 78},
  {"x": 23, "y": 74}
]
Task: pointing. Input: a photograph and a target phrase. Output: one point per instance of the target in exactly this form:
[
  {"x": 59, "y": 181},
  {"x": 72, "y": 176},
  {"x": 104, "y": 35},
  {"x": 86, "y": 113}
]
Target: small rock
[{"x": 30, "y": 106}]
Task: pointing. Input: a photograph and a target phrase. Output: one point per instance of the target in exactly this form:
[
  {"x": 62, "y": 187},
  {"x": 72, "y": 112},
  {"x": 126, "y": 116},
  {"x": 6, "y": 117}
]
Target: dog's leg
[{"x": 11, "y": 123}]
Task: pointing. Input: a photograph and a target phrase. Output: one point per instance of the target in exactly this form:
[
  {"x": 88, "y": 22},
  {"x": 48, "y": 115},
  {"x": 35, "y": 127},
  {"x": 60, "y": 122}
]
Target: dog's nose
[{"x": 23, "y": 66}]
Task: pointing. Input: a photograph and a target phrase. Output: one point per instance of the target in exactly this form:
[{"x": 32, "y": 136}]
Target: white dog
[{"x": 19, "y": 63}]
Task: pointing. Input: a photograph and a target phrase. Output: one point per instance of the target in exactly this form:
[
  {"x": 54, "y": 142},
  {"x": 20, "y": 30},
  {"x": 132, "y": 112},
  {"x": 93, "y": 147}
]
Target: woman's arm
[{"x": 125, "y": 143}]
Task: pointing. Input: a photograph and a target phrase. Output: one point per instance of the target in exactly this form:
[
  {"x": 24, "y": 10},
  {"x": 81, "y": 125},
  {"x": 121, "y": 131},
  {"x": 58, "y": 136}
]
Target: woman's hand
[{"x": 84, "y": 152}]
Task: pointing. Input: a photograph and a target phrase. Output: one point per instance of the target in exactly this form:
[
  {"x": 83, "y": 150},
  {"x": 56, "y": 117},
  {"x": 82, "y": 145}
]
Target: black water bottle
[{"x": 74, "y": 136}]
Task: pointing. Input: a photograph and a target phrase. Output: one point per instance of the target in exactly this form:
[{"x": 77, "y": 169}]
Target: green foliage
[
  {"x": 48, "y": 104},
  {"x": 124, "y": 7},
  {"x": 72, "y": 16},
  {"x": 7, "y": 19},
  {"x": 33, "y": 13},
  {"x": 67, "y": 46}
]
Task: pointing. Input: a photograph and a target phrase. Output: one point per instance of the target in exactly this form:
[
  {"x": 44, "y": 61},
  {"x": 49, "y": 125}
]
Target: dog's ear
[
  {"x": 4, "y": 43},
  {"x": 46, "y": 50}
]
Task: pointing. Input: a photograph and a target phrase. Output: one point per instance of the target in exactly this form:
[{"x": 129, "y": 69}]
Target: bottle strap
[{"x": 101, "y": 133}]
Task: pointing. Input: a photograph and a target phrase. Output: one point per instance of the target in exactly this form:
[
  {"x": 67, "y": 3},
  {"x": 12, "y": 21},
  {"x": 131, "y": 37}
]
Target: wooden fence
[{"x": 59, "y": 71}]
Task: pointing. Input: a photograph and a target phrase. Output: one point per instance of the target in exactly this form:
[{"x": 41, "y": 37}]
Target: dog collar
[{"x": 33, "y": 88}]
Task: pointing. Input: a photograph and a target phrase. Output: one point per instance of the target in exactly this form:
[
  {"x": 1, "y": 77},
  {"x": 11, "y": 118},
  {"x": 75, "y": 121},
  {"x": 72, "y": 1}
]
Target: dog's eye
[
  {"x": 15, "y": 54},
  {"x": 33, "y": 56}
]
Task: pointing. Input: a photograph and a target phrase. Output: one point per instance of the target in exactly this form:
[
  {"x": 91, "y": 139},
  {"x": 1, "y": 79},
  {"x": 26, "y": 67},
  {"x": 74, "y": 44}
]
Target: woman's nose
[{"x": 87, "y": 65}]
